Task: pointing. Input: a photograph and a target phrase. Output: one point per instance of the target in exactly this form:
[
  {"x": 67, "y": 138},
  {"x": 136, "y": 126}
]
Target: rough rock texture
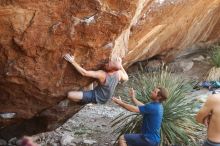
[
  {"x": 166, "y": 27},
  {"x": 35, "y": 34}
]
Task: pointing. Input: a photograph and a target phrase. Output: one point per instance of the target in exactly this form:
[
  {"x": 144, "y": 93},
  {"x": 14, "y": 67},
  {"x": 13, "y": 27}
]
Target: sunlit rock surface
[{"x": 35, "y": 34}]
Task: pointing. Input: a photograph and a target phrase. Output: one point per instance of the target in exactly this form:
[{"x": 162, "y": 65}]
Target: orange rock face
[
  {"x": 166, "y": 27},
  {"x": 35, "y": 34}
]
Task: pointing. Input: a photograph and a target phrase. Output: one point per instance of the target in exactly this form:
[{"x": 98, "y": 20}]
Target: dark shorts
[
  {"x": 88, "y": 97},
  {"x": 138, "y": 140},
  {"x": 210, "y": 143}
]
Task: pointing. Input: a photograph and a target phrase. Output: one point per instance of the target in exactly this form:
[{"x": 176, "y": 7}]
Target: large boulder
[{"x": 34, "y": 36}]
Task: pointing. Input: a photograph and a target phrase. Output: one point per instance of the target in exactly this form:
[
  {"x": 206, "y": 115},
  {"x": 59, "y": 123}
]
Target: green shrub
[
  {"x": 215, "y": 55},
  {"x": 178, "y": 126}
]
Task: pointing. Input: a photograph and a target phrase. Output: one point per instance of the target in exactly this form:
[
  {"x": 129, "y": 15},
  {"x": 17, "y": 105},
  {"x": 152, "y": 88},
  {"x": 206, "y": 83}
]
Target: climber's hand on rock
[{"x": 69, "y": 58}]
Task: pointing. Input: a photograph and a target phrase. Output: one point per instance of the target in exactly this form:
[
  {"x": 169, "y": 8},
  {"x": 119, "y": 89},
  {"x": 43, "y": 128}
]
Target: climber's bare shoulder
[{"x": 211, "y": 108}]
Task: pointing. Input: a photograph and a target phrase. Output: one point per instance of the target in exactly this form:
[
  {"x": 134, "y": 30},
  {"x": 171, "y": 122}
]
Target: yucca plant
[
  {"x": 215, "y": 55},
  {"x": 178, "y": 126},
  {"x": 214, "y": 72}
]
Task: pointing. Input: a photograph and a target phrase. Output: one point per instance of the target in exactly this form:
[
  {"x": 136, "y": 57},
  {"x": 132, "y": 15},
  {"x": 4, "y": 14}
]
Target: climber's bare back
[{"x": 212, "y": 107}]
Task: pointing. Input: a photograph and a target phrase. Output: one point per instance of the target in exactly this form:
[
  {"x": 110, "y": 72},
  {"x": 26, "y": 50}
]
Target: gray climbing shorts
[
  {"x": 210, "y": 143},
  {"x": 89, "y": 97}
]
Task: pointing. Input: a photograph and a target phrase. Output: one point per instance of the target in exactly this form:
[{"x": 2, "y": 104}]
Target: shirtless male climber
[{"x": 209, "y": 115}]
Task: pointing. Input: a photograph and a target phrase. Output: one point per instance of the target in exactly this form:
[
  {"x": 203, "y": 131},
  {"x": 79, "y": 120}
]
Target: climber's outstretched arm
[{"x": 100, "y": 74}]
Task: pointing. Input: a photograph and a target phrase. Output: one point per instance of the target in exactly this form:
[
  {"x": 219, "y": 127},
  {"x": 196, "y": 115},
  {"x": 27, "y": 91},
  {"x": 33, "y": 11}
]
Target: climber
[
  {"x": 209, "y": 115},
  {"x": 108, "y": 79}
]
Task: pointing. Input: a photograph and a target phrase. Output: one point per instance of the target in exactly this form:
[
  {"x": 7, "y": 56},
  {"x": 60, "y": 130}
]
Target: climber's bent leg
[
  {"x": 75, "y": 95},
  {"x": 84, "y": 96}
]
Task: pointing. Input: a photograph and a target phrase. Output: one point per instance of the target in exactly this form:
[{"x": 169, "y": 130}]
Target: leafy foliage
[{"x": 215, "y": 55}]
